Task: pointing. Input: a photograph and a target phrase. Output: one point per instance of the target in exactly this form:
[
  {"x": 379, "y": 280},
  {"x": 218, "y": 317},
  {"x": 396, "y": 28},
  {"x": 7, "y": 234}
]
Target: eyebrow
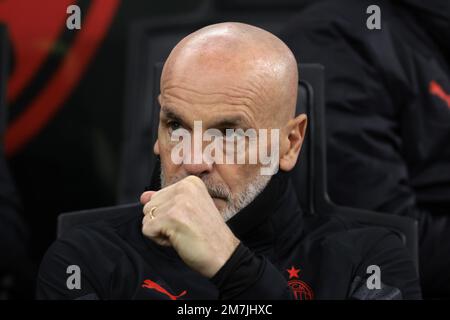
[
  {"x": 227, "y": 122},
  {"x": 171, "y": 114},
  {"x": 230, "y": 122}
]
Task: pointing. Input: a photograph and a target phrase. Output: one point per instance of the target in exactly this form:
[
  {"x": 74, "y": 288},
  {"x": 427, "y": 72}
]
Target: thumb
[{"x": 147, "y": 196}]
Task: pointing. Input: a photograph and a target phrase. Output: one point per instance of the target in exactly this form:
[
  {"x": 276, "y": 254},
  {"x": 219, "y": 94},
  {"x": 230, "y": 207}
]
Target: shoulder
[
  {"x": 335, "y": 34},
  {"x": 100, "y": 225},
  {"x": 352, "y": 13},
  {"x": 365, "y": 250},
  {"x": 94, "y": 248},
  {"x": 347, "y": 234}
]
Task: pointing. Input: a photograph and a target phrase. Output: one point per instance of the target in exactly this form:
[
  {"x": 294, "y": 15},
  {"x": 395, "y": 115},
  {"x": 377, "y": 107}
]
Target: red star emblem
[{"x": 293, "y": 273}]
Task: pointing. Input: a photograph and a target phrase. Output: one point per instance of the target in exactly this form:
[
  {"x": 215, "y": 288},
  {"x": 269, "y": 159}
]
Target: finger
[
  {"x": 149, "y": 229},
  {"x": 152, "y": 229},
  {"x": 151, "y": 195},
  {"x": 146, "y": 219},
  {"x": 157, "y": 207},
  {"x": 152, "y": 205},
  {"x": 146, "y": 196},
  {"x": 159, "y": 200},
  {"x": 162, "y": 241}
]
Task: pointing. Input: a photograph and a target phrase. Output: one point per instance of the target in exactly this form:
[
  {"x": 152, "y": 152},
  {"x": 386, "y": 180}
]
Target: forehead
[
  {"x": 208, "y": 98},
  {"x": 209, "y": 84},
  {"x": 212, "y": 115}
]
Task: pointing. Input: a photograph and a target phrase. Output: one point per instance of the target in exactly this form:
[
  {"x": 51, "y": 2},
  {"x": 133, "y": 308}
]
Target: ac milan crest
[{"x": 300, "y": 289}]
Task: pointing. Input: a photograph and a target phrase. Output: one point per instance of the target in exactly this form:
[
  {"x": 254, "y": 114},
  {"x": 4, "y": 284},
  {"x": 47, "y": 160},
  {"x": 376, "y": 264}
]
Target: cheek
[
  {"x": 236, "y": 177},
  {"x": 165, "y": 143},
  {"x": 167, "y": 165}
]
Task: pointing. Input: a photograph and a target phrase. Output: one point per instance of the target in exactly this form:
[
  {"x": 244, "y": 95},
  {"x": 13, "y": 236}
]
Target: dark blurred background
[{"x": 65, "y": 102}]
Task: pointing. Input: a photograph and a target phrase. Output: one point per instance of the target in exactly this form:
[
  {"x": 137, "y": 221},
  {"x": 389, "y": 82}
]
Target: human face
[{"x": 231, "y": 186}]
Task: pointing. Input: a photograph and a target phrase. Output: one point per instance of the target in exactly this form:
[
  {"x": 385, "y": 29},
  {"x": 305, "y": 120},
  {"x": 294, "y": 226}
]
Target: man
[
  {"x": 388, "y": 114},
  {"x": 221, "y": 230}
]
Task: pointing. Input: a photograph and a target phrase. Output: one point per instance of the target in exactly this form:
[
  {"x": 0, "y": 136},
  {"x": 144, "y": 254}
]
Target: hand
[{"x": 187, "y": 219}]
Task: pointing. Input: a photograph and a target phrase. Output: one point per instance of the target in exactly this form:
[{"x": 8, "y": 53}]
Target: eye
[
  {"x": 224, "y": 131},
  {"x": 233, "y": 133},
  {"x": 173, "y": 125}
]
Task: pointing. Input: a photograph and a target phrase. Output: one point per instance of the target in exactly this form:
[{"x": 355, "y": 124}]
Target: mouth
[
  {"x": 219, "y": 200},
  {"x": 216, "y": 196}
]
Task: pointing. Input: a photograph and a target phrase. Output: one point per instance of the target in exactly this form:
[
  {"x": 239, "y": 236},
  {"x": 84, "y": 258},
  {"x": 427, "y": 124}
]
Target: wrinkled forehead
[
  {"x": 214, "y": 88},
  {"x": 209, "y": 98}
]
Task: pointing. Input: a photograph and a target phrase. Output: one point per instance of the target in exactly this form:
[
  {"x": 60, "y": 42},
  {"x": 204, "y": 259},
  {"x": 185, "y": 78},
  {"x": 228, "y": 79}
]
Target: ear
[
  {"x": 156, "y": 147},
  {"x": 291, "y": 143},
  {"x": 159, "y": 99}
]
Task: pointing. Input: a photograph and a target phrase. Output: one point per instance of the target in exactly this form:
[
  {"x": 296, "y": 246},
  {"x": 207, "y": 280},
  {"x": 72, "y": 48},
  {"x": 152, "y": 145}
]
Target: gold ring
[{"x": 152, "y": 216}]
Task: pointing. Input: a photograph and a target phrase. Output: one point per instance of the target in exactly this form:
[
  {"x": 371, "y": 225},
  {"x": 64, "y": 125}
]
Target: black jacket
[
  {"x": 284, "y": 254},
  {"x": 388, "y": 113},
  {"x": 388, "y": 129}
]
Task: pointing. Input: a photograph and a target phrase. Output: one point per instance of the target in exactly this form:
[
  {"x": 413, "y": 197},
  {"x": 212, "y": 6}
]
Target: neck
[{"x": 272, "y": 215}]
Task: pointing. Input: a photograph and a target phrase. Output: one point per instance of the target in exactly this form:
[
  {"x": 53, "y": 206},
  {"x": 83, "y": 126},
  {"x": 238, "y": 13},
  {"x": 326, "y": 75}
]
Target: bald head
[{"x": 240, "y": 63}]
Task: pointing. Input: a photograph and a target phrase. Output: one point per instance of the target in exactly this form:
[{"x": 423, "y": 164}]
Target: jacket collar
[{"x": 273, "y": 216}]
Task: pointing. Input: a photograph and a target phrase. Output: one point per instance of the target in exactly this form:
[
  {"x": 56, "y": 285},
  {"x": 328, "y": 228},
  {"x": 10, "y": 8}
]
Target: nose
[
  {"x": 195, "y": 162},
  {"x": 198, "y": 169}
]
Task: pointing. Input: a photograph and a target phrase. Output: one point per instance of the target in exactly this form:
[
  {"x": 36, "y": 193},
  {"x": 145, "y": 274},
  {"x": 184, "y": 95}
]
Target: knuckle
[
  {"x": 178, "y": 198},
  {"x": 145, "y": 229},
  {"x": 194, "y": 180},
  {"x": 189, "y": 205},
  {"x": 171, "y": 213},
  {"x": 179, "y": 187},
  {"x": 146, "y": 208}
]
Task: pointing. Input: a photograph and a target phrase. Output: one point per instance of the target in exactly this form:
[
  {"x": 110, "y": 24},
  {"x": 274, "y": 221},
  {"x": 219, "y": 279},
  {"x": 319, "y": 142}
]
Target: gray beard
[{"x": 235, "y": 202}]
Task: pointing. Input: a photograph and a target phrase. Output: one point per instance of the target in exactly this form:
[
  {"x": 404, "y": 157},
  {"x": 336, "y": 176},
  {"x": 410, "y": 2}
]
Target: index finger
[{"x": 146, "y": 196}]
